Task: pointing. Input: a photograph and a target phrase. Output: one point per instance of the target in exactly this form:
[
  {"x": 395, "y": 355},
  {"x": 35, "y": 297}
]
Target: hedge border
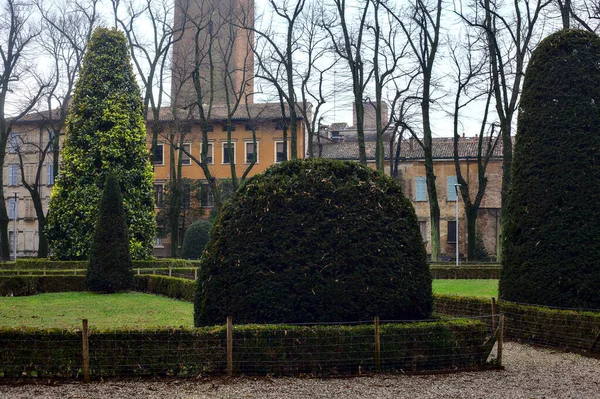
[
  {"x": 566, "y": 329},
  {"x": 477, "y": 271},
  {"x": 318, "y": 350}
]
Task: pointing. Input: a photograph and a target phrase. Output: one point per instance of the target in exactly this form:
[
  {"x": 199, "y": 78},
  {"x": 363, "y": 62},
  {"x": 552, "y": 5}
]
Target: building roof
[
  {"x": 258, "y": 111},
  {"x": 443, "y": 148}
]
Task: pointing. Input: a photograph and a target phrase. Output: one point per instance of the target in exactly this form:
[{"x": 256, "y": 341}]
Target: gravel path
[{"x": 530, "y": 373}]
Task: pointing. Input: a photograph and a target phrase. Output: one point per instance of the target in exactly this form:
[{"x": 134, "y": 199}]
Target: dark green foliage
[
  {"x": 479, "y": 271},
  {"x": 259, "y": 350},
  {"x": 312, "y": 241},
  {"x": 195, "y": 239},
  {"x": 33, "y": 285},
  {"x": 480, "y": 249},
  {"x": 105, "y": 131},
  {"x": 551, "y": 229},
  {"x": 110, "y": 268},
  {"x": 556, "y": 328},
  {"x": 176, "y": 288}
]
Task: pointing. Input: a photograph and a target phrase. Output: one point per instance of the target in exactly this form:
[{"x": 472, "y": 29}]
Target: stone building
[{"x": 411, "y": 174}]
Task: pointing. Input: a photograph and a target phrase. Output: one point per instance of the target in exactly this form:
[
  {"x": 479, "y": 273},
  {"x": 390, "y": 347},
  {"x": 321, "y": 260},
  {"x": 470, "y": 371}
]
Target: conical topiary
[
  {"x": 551, "y": 228},
  {"x": 105, "y": 132},
  {"x": 110, "y": 268}
]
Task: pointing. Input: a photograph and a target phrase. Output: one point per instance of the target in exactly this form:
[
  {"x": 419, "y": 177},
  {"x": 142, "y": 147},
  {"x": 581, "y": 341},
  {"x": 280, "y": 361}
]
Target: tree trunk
[{"x": 471, "y": 215}]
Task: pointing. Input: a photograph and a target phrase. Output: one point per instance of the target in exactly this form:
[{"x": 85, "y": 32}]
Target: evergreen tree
[
  {"x": 110, "y": 268},
  {"x": 195, "y": 239},
  {"x": 105, "y": 131},
  {"x": 551, "y": 230}
]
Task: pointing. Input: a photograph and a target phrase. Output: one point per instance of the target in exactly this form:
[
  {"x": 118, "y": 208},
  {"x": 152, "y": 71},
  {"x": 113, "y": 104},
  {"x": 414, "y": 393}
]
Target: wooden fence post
[
  {"x": 170, "y": 269},
  {"x": 494, "y": 313},
  {"x": 86, "y": 351},
  {"x": 500, "y": 338},
  {"x": 377, "y": 345},
  {"x": 44, "y": 269},
  {"x": 196, "y": 274},
  {"x": 229, "y": 346}
]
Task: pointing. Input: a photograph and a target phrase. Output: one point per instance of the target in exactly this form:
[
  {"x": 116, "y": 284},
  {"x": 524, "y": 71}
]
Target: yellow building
[{"x": 31, "y": 135}]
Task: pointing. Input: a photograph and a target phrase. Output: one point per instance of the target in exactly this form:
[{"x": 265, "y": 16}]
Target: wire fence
[
  {"x": 552, "y": 327},
  {"x": 320, "y": 349}
]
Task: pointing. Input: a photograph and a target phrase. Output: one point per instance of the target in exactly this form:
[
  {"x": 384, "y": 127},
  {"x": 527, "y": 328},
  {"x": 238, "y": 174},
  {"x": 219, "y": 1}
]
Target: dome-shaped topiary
[
  {"x": 314, "y": 241},
  {"x": 195, "y": 239},
  {"x": 551, "y": 227}
]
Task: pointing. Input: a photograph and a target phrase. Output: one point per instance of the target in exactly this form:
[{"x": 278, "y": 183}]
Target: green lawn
[
  {"x": 482, "y": 288},
  {"x": 135, "y": 310},
  {"x": 66, "y": 309}
]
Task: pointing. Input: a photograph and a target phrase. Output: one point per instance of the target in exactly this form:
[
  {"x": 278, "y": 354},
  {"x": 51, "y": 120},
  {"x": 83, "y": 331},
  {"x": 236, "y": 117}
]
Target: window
[
  {"x": 158, "y": 242},
  {"x": 30, "y": 172},
  {"x": 226, "y": 152},
  {"x": 251, "y": 153},
  {"x": 185, "y": 197},
  {"x": 159, "y": 155},
  {"x": 206, "y": 198},
  {"x": 11, "y": 241},
  {"x": 281, "y": 125},
  {"x": 420, "y": 189},
  {"x": 423, "y": 229},
  {"x": 29, "y": 209},
  {"x": 13, "y": 175},
  {"x": 451, "y": 188},
  {"x": 251, "y": 126},
  {"x": 158, "y": 195},
  {"x": 209, "y": 153},
  {"x": 232, "y": 127},
  {"x": 13, "y": 209},
  {"x": 50, "y": 169},
  {"x": 210, "y": 128},
  {"x": 451, "y": 231},
  {"x": 185, "y": 158},
  {"x": 280, "y": 154},
  {"x": 13, "y": 142}
]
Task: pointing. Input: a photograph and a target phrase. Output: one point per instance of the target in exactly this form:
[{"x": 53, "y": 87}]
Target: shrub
[
  {"x": 551, "y": 233},
  {"x": 258, "y": 350},
  {"x": 110, "y": 269},
  {"x": 312, "y": 241},
  {"x": 195, "y": 239},
  {"x": 105, "y": 131}
]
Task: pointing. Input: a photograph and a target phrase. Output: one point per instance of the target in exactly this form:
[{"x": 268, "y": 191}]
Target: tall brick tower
[{"x": 213, "y": 36}]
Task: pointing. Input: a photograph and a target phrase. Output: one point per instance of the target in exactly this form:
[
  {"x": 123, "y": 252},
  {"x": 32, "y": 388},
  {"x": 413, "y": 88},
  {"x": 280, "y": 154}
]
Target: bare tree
[
  {"x": 17, "y": 35},
  {"x": 150, "y": 52},
  {"x": 509, "y": 32},
  {"x": 469, "y": 73},
  {"x": 422, "y": 29},
  {"x": 347, "y": 40},
  {"x": 313, "y": 46},
  {"x": 276, "y": 56}
]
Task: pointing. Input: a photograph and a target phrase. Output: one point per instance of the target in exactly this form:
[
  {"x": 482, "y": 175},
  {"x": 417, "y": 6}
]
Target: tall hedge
[
  {"x": 551, "y": 248},
  {"x": 195, "y": 239},
  {"x": 110, "y": 268},
  {"x": 314, "y": 241},
  {"x": 105, "y": 130}
]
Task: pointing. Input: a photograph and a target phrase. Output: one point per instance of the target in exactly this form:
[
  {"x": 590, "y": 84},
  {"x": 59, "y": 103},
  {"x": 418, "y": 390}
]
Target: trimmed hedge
[
  {"x": 314, "y": 241},
  {"x": 440, "y": 271},
  {"x": 172, "y": 287},
  {"x": 558, "y": 328},
  {"x": 551, "y": 225},
  {"x": 33, "y": 285},
  {"x": 257, "y": 350}
]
